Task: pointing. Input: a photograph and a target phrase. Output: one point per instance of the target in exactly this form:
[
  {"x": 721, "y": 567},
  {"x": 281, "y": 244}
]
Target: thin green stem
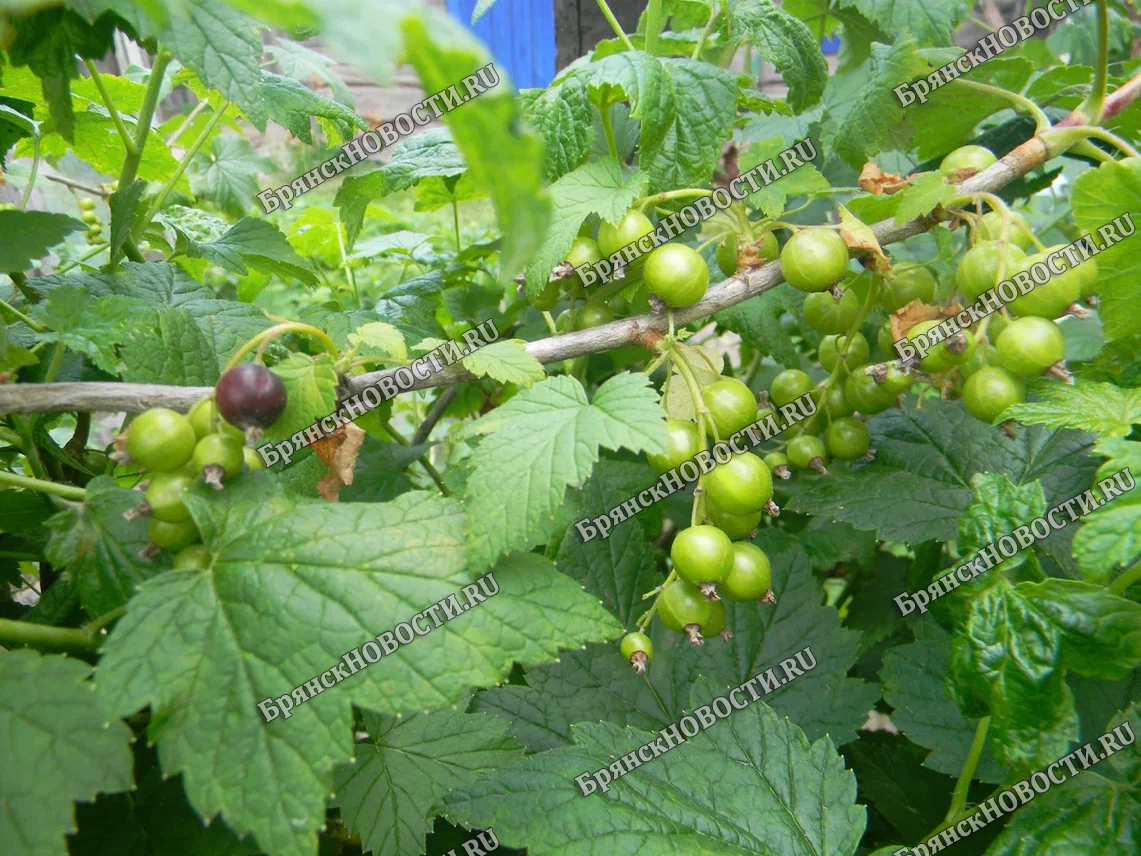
[
  {"x": 653, "y": 24},
  {"x": 699, "y": 409},
  {"x": 1108, "y": 137},
  {"x": 85, "y": 638},
  {"x": 280, "y": 330},
  {"x": 143, "y": 125},
  {"x": 183, "y": 163},
  {"x": 32, "y": 172},
  {"x": 20, "y": 316},
  {"x": 614, "y": 25},
  {"x": 611, "y": 142},
  {"x": 94, "y": 251},
  {"x": 963, "y": 785},
  {"x": 1128, "y": 578},
  {"x": 979, "y": 22},
  {"x": 109, "y": 103},
  {"x": 714, "y": 14},
  {"x": 433, "y": 473},
  {"x": 681, "y": 193},
  {"x": 349, "y": 275},
  {"x": 455, "y": 225},
  {"x": 1041, "y": 120},
  {"x": 181, "y": 129},
  {"x": 1093, "y": 106},
  {"x": 65, "y": 491}
]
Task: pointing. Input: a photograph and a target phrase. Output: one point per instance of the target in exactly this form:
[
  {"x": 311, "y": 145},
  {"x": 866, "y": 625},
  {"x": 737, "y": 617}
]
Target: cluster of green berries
[{"x": 206, "y": 444}]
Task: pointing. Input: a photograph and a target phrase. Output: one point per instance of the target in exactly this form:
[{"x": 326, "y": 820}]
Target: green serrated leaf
[
  {"x": 925, "y": 193},
  {"x": 384, "y": 337},
  {"x": 915, "y": 684},
  {"x": 58, "y": 748},
  {"x": 772, "y": 198},
  {"x": 998, "y": 508},
  {"x": 203, "y": 648},
  {"x": 124, "y": 206},
  {"x": 1017, "y": 644},
  {"x": 175, "y": 351},
  {"x": 686, "y": 110},
  {"x": 597, "y": 684},
  {"x": 768, "y": 797},
  {"x": 620, "y": 568},
  {"x": 432, "y": 153},
  {"x": 228, "y": 174},
  {"x": 307, "y": 66},
  {"x": 224, "y": 48},
  {"x": 920, "y": 482},
  {"x": 407, "y": 766},
  {"x": 563, "y": 115},
  {"x": 952, "y": 112},
  {"x": 311, "y": 386},
  {"x": 785, "y": 42},
  {"x": 506, "y": 362},
  {"x": 1099, "y": 196},
  {"x": 1100, "y": 408},
  {"x": 543, "y": 441},
  {"x": 28, "y": 235},
  {"x": 598, "y": 187},
  {"x": 292, "y": 105},
  {"x": 930, "y": 23},
  {"x": 860, "y": 105},
  {"x": 257, "y": 244}
]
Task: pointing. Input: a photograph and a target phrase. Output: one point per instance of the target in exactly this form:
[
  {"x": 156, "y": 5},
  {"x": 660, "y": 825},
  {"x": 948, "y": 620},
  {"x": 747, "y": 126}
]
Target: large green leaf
[
  {"x": 686, "y": 110},
  {"x": 1012, "y": 655},
  {"x": 175, "y": 351},
  {"x": 1100, "y": 408},
  {"x": 428, "y": 155},
  {"x": 1091, "y": 813},
  {"x": 920, "y": 481},
  {"x": 915, "y": 684},
  {"x": 506, "y": 361},
  {"x": 203, "y": 648},
  {"x": 951, "y": 113},
  {"x": 57, "y": 748},
  {"x": 98, "y": 142},
  {"x": 48, "y": 42},
  {"x": 785, "y": 42},
  {"x": 292, "y": 105},
  {"x": 28, "y": 235},
  {"x": 228, "y": 174},
  {"x": 1099, "y": 196},
  {"x": 562, "y": 113},
  {"x": 598, "y": 187},
  {"x": 99, "y": 548},
  {"x": 543, "y": 441},
  {"x": 597, "y": 683},
  {"x": 751, "y": 783},
  {"x": 407, "y": 766},
  {"x": 307, "y": 66},
  {"x": 256, "y": 243},
  {"x": 930, "y": 22},
  {"x": 620, "y": 568},
  {"x": 861, "y": 107},
  {"x": 771, "y": 198}
]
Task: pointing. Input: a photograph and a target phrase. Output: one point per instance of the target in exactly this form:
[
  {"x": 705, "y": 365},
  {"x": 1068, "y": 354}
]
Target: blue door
[{"x": 520, "y": 35}]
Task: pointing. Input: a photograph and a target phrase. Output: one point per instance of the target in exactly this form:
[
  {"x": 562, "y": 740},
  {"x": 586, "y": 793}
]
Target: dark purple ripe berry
[{"x": 250, "y": 396}]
